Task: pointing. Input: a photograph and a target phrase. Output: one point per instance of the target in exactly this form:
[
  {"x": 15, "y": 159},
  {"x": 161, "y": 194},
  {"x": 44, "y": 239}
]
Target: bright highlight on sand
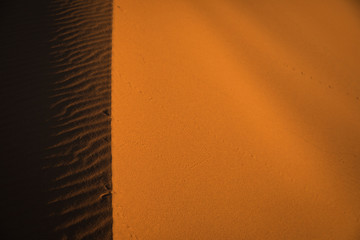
[{"x": 236, "y": 120}]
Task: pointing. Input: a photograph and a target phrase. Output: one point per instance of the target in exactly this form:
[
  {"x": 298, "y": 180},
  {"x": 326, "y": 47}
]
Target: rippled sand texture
[
  {"x": 236, "y": 119},
  {"x": 55, "y": 119}
]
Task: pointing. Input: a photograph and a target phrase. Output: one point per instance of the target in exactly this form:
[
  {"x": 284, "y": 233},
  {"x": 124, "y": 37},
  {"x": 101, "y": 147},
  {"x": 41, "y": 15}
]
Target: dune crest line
[{"x": 56, "y": 124}]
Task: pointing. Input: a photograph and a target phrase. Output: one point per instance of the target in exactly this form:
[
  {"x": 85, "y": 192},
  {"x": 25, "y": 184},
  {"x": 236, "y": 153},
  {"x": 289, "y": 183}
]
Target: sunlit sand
[{"x": 236, "y": 120}]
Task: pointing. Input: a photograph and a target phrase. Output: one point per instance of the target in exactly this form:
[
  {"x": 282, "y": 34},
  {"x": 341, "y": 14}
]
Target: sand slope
[
  {"x": 236, "y": 120},
  {"x": 55, "y": 120}
]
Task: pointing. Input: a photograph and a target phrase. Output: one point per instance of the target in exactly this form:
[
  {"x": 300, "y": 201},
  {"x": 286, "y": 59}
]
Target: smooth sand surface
[
  {"x": 236, "y": 119},
  {"x": 55, "y": 120}
]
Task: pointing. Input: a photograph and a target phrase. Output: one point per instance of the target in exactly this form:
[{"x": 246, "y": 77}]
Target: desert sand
[
  {"x": 55, "y": 119},
  {"x": 192, "y": 119},
  {"x": 236, "y": 120}
]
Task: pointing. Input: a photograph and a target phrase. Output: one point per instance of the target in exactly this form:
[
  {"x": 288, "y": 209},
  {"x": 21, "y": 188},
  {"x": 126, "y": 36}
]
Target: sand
[
  {"x": 236, "y": 119},
  {"x": 55, "y": 119},
  {"x": 229, "y": 119}
]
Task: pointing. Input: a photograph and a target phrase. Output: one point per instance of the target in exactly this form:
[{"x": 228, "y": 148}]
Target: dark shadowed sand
[{"x": 55, "y": 119}]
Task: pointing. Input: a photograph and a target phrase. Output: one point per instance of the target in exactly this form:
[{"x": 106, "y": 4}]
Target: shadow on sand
[{"x": 27, "y": 131}]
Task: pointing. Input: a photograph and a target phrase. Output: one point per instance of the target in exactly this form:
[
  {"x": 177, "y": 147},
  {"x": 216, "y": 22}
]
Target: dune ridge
[
  {"x": 81, "y": 168},
  {"x": 56, "y": 123}
]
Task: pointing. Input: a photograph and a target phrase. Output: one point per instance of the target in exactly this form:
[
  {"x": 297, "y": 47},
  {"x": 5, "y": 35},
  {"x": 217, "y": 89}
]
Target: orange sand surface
[{"x": 236, "y": 119}]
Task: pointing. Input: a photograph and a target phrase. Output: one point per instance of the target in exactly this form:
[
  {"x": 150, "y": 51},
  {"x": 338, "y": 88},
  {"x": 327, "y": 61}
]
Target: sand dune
[
  {"x": 230, "y": 119},
  {"x": 55, "y": 120},
  {"x": 236, "y": 119}
]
